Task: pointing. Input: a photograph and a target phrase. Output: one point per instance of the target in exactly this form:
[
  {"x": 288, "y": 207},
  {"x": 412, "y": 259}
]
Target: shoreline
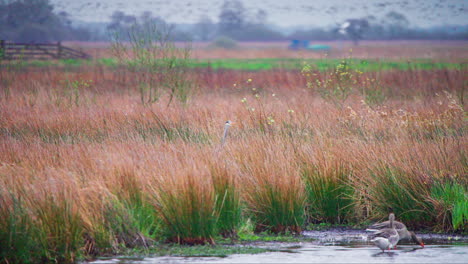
[{"x": 329, "y": 237}]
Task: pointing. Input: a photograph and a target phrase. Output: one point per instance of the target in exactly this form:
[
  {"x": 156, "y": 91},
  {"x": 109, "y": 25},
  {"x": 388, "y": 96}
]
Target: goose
[
  {"x": 400, "y": 228},
  {"x": 381, "y": 243},
  {"x": 386, "y": 238}
]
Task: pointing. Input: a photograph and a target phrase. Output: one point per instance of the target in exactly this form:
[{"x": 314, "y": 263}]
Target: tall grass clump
[
  {"x": 60, "y": 223},
  {"x": 40, "y": 227},
  {"x": 228, "y": 200},
  {"x": 137, "y": 204},
  {"x": 17, "y": 231},
  {"x": 187, "y": 206},
  {"x": 119, "y": 215},
  {"x": 451, "y": 203},
  {"x": 273, "y": 190},
  {"x": 120, "y": 221},
  {"x": 111, "y": 226},
  {"x": 99, "y": 236},
  {"x": 393, "y": 189},
  {"x": 329, "y": 194},
  {"x": 40, "y": 218}
]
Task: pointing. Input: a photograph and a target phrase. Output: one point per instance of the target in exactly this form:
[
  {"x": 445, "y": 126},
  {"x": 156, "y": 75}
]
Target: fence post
[
  {"x": 59, "y": 50},
  {"x": 2, "y": 49}
]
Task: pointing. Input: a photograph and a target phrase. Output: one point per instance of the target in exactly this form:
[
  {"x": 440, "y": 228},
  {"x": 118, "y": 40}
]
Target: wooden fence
[{"x": 38, "y": 51}]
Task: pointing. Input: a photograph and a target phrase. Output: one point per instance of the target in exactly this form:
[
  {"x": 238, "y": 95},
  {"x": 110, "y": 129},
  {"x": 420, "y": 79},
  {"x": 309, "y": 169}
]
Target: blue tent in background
[{"x": 297, "y": 44}]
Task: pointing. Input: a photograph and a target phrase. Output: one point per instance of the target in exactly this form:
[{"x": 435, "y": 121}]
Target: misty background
[{"x": 210, "y": 20}]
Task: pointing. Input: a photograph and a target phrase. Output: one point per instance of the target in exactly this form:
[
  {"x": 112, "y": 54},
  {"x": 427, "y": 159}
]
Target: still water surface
[
  {"x": 336, "y": 246},
  {"x": 308, "y": 253}
]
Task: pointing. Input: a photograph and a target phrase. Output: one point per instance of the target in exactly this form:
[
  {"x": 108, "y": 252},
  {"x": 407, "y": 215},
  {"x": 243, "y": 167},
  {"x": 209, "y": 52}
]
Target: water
[
  {"x": 337, "y": 246},
  {"x": 309, "y": 253}
]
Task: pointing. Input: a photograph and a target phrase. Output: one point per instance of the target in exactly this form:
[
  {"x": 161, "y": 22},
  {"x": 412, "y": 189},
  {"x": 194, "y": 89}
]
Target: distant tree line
[
  {"x": 125, "y": 26},
  {"x": 235, "y": 22},
  {"x": 35, "y": 20}
]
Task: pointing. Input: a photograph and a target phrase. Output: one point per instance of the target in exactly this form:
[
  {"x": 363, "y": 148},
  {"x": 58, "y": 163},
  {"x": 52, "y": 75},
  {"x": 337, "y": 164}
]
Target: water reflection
[{"x": 384, "y": 254}]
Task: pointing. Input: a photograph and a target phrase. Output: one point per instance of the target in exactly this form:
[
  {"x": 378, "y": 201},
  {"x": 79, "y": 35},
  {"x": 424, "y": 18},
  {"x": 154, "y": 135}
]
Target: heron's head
[{"x": 228, "y": 123}]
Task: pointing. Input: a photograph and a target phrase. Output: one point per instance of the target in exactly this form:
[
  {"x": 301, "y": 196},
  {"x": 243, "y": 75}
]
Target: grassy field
[
  {"x": 366, "y": 65},
  {"x": 96, "y": 159}
]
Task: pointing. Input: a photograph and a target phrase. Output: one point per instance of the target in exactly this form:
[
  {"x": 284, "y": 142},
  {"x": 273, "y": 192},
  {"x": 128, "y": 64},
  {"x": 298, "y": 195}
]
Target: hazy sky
[{"x": 422, "y": 13}]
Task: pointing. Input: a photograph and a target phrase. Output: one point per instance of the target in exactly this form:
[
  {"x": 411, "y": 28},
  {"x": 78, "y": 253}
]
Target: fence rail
[{"x": 38, "y": 51}]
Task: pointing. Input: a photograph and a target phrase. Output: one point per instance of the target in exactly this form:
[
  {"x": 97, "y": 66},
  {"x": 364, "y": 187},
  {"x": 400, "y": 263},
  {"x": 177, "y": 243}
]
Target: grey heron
[{"x": 226, "y": 129}]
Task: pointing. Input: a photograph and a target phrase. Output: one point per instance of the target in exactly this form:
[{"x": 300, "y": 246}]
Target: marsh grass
[
  {"x": 110, "y": 228},
  {"x": 17, "y": 231},
  {"x": 123, "y": 227},
  {"x": 228, "y": 200},
  {"x": 392, "y": 189},
  {"x": 61, "y": 230},
  {"x": 274, "y": 192},
  {"x": 329, "y": 191},
  {"x": 451, "y": 202},
  {"x": 278, "y": 212},
  {"x": 135, "y": 204},
  {"x": 103, "y": 175},
  {"x": 99, "y": 237},
  {"x": 188, "y": 209},
  {"x": 49, "y": 231},
  {"x": 169, "y": 131}
]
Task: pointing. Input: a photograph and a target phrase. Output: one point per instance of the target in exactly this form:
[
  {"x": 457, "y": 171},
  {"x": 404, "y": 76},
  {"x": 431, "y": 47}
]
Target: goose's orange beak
[{"x": 422, "y": 244}]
